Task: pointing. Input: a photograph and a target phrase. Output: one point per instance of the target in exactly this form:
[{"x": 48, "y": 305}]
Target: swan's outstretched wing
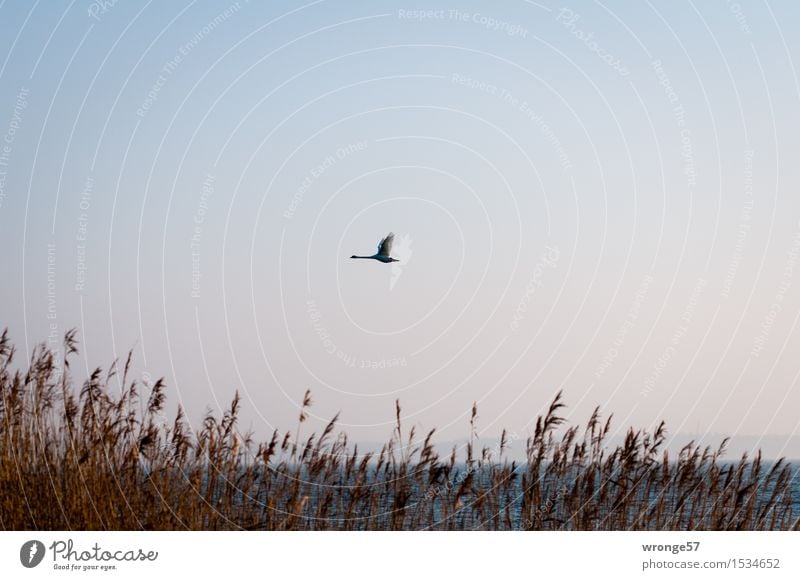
[{"x": 385, "y": 247}]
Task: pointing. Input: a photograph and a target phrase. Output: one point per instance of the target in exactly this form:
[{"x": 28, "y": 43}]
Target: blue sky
[{"x": 594, "y": 197}]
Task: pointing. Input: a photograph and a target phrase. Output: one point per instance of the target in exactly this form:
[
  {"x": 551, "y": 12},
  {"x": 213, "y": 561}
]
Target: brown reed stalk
[{"x": 96, "y": 457}]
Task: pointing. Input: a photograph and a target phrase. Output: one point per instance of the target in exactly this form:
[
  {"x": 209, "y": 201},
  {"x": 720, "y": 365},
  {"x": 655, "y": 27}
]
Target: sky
[{"x": 598, "y": 198}]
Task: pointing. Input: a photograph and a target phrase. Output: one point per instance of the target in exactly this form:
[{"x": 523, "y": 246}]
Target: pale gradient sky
[{"x": 627, "y": 232}]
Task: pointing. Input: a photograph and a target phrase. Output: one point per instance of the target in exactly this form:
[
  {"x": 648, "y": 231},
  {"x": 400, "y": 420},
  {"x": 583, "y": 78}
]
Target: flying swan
[{"x": 384, "y": 249}]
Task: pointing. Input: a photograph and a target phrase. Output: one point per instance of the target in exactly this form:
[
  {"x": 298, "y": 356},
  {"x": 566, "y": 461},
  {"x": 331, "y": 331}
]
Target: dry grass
[{"x": 93, "y": 460}]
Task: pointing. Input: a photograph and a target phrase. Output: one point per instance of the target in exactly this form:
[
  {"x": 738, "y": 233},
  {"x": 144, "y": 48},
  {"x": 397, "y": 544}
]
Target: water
[{"x": 427, "y": 505}]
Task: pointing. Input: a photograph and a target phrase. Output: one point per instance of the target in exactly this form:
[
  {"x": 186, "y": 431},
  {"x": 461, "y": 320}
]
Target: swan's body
[{"x": 384, "y": 249}]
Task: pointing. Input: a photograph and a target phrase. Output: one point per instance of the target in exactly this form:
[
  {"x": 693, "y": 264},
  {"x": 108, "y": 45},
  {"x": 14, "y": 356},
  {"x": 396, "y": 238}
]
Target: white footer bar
[{"x": 355, "y": 555}]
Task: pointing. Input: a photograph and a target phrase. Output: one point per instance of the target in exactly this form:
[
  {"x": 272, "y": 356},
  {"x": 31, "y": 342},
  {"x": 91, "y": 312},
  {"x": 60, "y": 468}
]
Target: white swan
[{"x": 384, "y": 249}]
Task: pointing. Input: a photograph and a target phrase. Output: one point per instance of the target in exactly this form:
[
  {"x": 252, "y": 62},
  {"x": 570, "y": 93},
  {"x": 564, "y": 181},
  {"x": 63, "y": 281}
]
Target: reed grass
[{"x": 89, "y": 459}]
